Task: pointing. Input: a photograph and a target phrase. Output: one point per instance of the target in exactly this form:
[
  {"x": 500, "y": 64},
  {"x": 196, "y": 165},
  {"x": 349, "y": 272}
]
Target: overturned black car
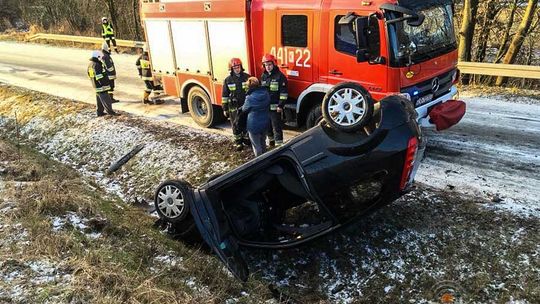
[{"x": 317, "y": 182}]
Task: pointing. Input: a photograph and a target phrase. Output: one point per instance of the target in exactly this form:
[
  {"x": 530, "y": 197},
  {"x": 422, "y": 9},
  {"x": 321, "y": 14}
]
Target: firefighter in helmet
[
  {"x": 276, "y": 84},
  {"x": 145, "y": 73},
  {"x": 108, "y": 63},
  {"x": 232, "y": 99},
  {"x": 107, "y": 32},
  {"x": 101, "y": 83}
]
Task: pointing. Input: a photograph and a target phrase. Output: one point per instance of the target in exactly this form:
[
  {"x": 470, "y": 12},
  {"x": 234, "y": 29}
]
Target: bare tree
[
  {"x": 466, "y": 32},
  {"x": 506, "y": 36},
  {"x": 519, "y": 37}
]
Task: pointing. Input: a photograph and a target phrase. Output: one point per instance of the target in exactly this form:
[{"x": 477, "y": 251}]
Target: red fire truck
[{"x": 343, "y": 50}]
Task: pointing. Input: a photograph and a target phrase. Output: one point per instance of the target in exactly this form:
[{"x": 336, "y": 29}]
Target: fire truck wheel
[
  {"x": 347, "y": 107},
  {"x": 172, "y": 201},
  {"x": 314, "y": 116},
  {"x": 201, "y": 108}
]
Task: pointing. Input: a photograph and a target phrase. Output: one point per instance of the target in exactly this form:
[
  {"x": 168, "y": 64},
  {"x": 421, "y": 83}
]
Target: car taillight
[
  {"x": 412, "y": 148},
  {"x": 456, "y": 76}
]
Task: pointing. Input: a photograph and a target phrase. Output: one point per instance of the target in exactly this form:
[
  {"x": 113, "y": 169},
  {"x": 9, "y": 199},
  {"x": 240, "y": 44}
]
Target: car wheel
[
  {"x": 201, "y": 108},
  {"x": 172, "y": 201},
  {"x": 314, "y": 116},
  {"x": 347, "y": 107}
]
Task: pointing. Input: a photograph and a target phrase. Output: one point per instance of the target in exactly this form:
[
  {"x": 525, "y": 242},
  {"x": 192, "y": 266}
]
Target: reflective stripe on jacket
[
  {"x": 144, "y": 67},
  {"x": 107, "y": 29},
  {"x": 234, "y": 91},
  {"x": 108, "y": 63},
  {"x": 98, "y": 76},
  {"x": 276, "y": 84}
]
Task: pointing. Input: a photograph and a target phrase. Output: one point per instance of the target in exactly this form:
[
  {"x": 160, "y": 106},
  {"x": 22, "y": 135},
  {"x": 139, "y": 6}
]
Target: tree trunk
[
  {"x": 502, "y": 48},
  {"x": 517, "y": 41},
  {"x": 490, "y": 12},
  {"x": 466, "y": 32},
  {"x": 114, "y": 17},
  {"x": 136, "y": 19}
]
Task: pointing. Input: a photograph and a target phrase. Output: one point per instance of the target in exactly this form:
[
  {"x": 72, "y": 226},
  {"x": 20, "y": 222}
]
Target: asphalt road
[{"x": 494, "y": 153}]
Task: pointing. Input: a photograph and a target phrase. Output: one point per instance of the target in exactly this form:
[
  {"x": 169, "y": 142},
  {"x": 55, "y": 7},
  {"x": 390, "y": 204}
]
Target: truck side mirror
[
  {"x": 368, "y": 39},
  {"x": 374, "y": 40},
  {"x": 362, "y": 55},
  {"x": 360, "y": 27}
]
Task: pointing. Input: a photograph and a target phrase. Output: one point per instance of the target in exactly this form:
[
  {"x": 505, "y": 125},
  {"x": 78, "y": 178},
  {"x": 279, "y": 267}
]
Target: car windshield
[{"x": 434, "y": 37}]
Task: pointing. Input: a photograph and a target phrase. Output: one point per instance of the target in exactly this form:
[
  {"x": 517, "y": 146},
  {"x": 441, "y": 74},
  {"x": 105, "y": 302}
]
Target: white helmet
[
  {"x": 104, "y": 19},
  {"x": 105, "y": 47},
  {"x": 97, "y": 54}
]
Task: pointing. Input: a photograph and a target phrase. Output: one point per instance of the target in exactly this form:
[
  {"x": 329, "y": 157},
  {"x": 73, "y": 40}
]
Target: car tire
[
  {"x": 172, "y": 200},
  {"x": 314, "y": 116},
  {"x": 347, "y": 107},
  {"x": 201, "y": 108}
]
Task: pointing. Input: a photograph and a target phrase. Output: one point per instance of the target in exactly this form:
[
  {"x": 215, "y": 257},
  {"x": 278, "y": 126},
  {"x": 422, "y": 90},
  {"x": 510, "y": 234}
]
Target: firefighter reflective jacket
[
  {"x": 276, "y": 83},
  {"x": 98, "y": 76},
  {"x": 108, "y": 64},
  {"x": 144, "y": 67},
  {"x": 234, "y": 91},
  {"x": 107, "y": 29}
]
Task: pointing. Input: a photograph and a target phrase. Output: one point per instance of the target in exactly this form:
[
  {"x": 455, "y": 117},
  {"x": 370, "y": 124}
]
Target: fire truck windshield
[{"x": 415, "y": 44}]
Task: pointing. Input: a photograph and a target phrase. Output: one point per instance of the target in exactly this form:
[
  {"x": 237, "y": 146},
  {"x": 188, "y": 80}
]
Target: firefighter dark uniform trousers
[
  {"x": 100, "y": 81},
  {"x": 276, "y": 84},
  {"x": 107, "y": 32},
  {"x": 233, "y": 97}
]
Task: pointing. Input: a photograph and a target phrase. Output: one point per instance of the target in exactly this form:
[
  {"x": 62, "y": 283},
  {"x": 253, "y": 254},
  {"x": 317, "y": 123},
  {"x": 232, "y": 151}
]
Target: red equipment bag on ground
[{"x": 447, "y": 114}]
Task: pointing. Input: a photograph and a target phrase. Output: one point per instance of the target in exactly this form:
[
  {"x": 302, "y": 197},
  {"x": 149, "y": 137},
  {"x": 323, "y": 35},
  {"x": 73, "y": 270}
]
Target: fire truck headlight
[{"x": 405, "y": 95}]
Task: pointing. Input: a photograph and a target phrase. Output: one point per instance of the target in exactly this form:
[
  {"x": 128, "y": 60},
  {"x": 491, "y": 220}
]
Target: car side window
[
  {"x": 294, "y": 30},
  {"x": 344, "y": 40}
]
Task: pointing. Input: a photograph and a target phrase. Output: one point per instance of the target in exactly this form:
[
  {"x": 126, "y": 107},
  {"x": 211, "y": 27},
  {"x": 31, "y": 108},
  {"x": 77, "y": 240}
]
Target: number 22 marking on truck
[{"x": 300, "y": 57}]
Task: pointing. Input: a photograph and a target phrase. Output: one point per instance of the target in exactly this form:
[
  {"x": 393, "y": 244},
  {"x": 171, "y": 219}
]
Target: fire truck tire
[
  {"x": 172, "y": 200},
  {"x": 314, "y": 116},
  {"x": 347, "y": 107},
  {"x": 201, "y": 108}
]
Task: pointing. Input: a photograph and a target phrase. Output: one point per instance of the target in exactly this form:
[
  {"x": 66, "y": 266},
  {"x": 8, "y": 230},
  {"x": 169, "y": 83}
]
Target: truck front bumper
[{"x": 423, "y": 111}]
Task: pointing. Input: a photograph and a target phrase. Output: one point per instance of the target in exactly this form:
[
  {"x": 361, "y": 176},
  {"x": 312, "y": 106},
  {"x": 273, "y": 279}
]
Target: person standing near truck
[
  {"x": 145, "y": 73},
  {"x": 257, "y": 109},
  {"x": 235, "y": 87},
  {"x": 107, "y": 32},
  {"x": 276, "y": 84},
  {"x": 100, "y": 82},
  {"x": 108, "y": 63}
]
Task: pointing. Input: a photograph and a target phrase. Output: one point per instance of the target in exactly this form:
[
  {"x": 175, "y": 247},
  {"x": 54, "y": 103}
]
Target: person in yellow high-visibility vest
[
  {"x": 145, "y": 73},
  {"x": 107, "y": 32}
]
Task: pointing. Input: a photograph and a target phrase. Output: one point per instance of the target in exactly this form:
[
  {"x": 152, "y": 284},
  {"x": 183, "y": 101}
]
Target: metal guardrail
[
  {"x": 497, "y": 69},
  {"x": 477, "y": 68},
  {"x": 84, "y": 39}
]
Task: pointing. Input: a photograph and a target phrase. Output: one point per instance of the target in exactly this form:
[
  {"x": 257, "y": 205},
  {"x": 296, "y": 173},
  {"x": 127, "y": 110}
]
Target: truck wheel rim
[
  {"x": 170, "y": 201},
  {"x": 200, "y": 107},
  {"x": 347, "y": 107}
]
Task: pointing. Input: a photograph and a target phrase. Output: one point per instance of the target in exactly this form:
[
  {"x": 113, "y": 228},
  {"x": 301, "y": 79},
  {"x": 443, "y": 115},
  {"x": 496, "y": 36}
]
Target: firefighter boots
[{"x": 146, "y": 99}]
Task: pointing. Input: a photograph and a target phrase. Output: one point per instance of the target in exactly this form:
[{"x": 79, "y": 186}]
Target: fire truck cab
[{"x": 384, "y": 47}]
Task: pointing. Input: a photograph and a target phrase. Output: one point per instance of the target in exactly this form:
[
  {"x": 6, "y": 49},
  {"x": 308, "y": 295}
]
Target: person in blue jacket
[{"x": 257, "y": 108}]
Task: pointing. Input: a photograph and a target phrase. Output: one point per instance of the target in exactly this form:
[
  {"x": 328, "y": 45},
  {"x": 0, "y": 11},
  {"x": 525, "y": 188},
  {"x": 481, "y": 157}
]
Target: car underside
[{"x": 317, "y": 182}]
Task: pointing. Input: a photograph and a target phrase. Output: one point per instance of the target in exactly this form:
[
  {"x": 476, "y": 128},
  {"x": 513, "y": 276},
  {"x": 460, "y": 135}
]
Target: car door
[{"x": 212, "y": 225}]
